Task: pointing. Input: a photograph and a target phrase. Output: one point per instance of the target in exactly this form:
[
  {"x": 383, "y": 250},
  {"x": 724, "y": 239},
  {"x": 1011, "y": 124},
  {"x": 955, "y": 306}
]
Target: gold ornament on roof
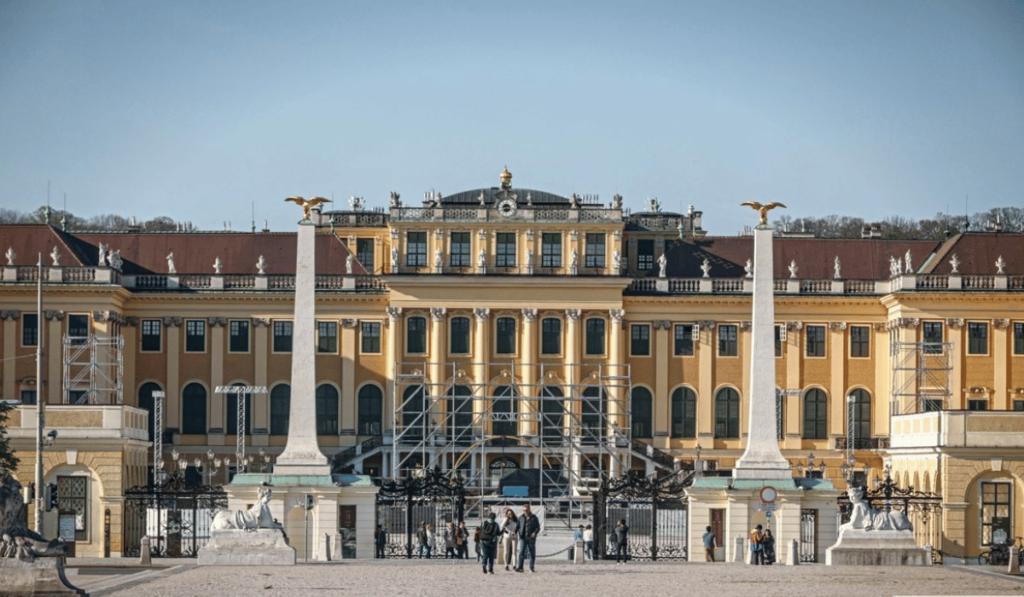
[
  {"x": 763, "y": 209},
  {"x": 307, "y": 204},
  {"x": 506, "y": 176}
]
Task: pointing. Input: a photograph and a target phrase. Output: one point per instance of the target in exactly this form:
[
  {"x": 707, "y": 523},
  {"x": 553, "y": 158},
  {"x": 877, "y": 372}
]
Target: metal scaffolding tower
[
  {"x": 919, "y": 376},
  {"x": 576, "y": 432},
  {"x": 93, "y": 370}
]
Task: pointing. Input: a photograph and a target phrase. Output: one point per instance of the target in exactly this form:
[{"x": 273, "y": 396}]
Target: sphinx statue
[
  {"x": 16, "y": 539},
  {"x": 864, "y": 517},
  {"x": 256, "y": 517}
]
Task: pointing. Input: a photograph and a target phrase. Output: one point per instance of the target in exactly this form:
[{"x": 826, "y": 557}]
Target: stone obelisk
[
  {"x": 302, "y": 455},
  {"x": 762, "y": 459}
]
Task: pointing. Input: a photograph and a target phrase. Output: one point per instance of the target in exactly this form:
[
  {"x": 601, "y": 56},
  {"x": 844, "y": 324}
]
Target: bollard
[
  {"x": 144, "y": 552},
  {"x": 737, "y": 549},
  {"x": 1014, "y": 566},
  {"x": 793, "y": 555},
  {"x": 927, "y": 554},
  {"x": 578, "y": 552}
]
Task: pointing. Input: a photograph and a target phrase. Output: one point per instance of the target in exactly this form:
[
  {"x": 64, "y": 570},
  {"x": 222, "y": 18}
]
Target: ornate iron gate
[
  {"x": 655, "y": 510},
  {"x": 808, "y": 536},
  {"x": 435, "y": 498},
  {"x": 174, "y": 515}
]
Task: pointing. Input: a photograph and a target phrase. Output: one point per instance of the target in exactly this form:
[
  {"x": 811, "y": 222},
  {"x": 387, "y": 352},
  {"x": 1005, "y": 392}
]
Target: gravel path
[{"x": 562, "y": 579}]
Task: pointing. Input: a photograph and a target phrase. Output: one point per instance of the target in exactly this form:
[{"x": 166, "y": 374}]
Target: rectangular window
[
  {"x": 860, "y": 341},
  {"x": 932, "y": 336},
  {"x": 1018, "y": 338},
  {"x": 815, "y": 341},
  {"x": 977, "y": 337},
  {"x": 684, "y": 340},
  {"x": 30, "y": 329},
  {"x": 778, "y": 340},
  {"x": 727, "y": 341},
  {"x": 195, "y": 335},
  {"x": 551, "y": 250},
  {"x": 416, "y": 249},
  {"x": 1018, "y": 405},
  {"x": 78, "y": 328},
  {"x": 370, "y": 331},
  {"x": 595, "y": 336},
  {"x": 644, "y": 254},
  {"x": 594, "y": 256},
  {"x": 73, "y": 500},
  {"x": 327, "y": 336},
  {"x": 996, "y": 508},
  {"x": 151, "y": 330},
  {"x": 459, "y": 256},
  {"x": 238, "y": 336},
  {"x": 506, "y": 340},
  {"x": 977, "y": 404},
  {"x": 460, "y": 335},
  {"x": 29, "y": 397},
  {"x": 640, "y": 340},
  {"x": 282, "y": 336},
  {"x": 505, "y": 249},
  {"x": 551, "y": 336},
  {"x": 364, "y": 253},
  {"x": 416, "y": 335}
]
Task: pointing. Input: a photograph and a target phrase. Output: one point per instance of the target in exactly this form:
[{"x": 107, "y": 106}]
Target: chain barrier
[{"x": 551, "y": 555}]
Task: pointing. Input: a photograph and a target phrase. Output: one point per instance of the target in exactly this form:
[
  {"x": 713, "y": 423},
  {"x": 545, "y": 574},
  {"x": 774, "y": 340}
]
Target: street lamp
[
  {"x": 698, "y": 468},
  {"x": 810, "y": 468}
]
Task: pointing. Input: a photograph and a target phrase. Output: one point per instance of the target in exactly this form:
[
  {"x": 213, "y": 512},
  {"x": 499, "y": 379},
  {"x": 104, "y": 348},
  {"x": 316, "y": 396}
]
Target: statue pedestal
[
  {"x": 262, "y": 547},
  {"x": 43, "y": 576},
  {"x": 858, "y": 547}
]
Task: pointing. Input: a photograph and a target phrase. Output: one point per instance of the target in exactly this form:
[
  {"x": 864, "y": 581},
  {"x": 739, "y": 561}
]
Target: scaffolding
[
  {"x": 920, "y": 376},
  {"x": 576, "y": 432},
  {"x": 93, "y": 369}
]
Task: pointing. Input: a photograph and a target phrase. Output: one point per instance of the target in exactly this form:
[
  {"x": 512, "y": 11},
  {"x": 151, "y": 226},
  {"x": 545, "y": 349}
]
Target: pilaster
[
  {"x": 216, "y": 348},
  {"x": 172, "y": 334},
  {"x": 393, "y": 323},
  {"x": 348, "y": 375},
  {"x": 662, "y": 407},
  {"x": 528, "y": 352}
]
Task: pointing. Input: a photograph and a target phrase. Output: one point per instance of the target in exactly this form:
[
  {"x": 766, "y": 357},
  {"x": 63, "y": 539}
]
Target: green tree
[{"x": 8, "y": 461}]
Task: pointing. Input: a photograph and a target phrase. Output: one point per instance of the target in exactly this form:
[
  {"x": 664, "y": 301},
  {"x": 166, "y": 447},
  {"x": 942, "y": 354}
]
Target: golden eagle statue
[
  {"x": 307, "y": 204},
  {"x": 763, "y": 209}
]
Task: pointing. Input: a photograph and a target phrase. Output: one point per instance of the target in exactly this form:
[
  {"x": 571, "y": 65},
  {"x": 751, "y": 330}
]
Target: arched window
[
  {"x": 552, "y": 414},
  {"x": 231, "y": 405},
  {"x": 146, "y": 403},
  {"x": 591, "y": 419},
  {"x": 414, "y": 420},
  {"x": 642, "y": 412},
  {"x": 504, "y": 407},
  {"x": 815, "y": 414},
  {"x": 280, "y": 408},
  {"x": 727, "y": 414},
  {"x": 861, "y": 417},
  {"x": 371, "y": 410},
  {"x": 684, "y": 413},
  {"x": 326, "y": 409},
  {"x": 460, "y": 406},
  {"x": 193, "y": 409}
]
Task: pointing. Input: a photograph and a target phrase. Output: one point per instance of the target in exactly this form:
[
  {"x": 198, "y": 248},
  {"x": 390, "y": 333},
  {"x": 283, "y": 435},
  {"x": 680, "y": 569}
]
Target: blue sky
[{"x": 197, "y": 110}]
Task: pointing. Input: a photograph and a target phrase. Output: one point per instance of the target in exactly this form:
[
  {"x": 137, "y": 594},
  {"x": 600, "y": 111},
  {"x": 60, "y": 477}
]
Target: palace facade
[{"x": 508, "y": 328}]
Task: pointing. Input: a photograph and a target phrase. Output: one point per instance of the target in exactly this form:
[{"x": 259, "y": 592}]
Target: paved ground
[{"x": 559, "y": 578}]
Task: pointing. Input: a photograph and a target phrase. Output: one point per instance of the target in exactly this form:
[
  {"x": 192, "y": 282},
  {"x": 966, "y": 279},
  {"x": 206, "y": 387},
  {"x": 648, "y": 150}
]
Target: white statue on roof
[
  {"x": 793, "y": 269},
  {"x": 10, "y": 255},
  {"x": 838, "y": 267},
  {"x": 261, "y": 265},
  {"x": 749, "y": 268},
  {"x": 115, "y": 260},
  {"x": 617, "y": 260},
  {"x": 574, "y": 258},
  {"x": 954, "y": 264},
  {"x": 102, "y": 259},
  {"x": 170, "y": 263},
  {"x": 349, "y": 262},
  {"x": 482, "y": 258},
  {"x": 662, "y": 264},
  {"x": 909, "y": 264},
  {"x": 395, "y": 199},
  {"x": 217, "y": 265},
  {"x": 706, "y": 268},
  {"x": 1000, "y": 266},
  {"x": 55, "y": 256}
]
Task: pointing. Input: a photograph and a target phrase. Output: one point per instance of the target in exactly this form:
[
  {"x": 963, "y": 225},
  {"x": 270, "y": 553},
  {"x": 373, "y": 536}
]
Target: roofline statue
[
  {"x": 307, "y": 204},
  {"x": 763, "y": 209}
]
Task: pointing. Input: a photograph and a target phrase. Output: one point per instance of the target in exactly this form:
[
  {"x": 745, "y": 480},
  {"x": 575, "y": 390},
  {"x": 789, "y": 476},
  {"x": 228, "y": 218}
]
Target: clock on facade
[{"x": 507, "y": 207}]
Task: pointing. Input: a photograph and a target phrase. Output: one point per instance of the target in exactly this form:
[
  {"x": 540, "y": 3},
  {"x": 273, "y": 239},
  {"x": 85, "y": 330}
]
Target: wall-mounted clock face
[{"x": 507, "y": 207}]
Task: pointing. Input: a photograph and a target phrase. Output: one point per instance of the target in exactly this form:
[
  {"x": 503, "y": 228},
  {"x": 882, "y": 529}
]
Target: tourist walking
[
  {"x": 423, "y": 540},
  {"x": 380, "y": 541},
  {"x": 476, "y": 544},
  {"x": 768, "y": 541},
  {"x": 488, "y": 533},
  {"x": 462, "y": 540},
  {"x": 431, "y": 540},
  {"x": 509, "y": 537},
  {"x": 709, "y": 545},
  {"x": 621, "y": 542},
  {"x": 588, "y": 541},
  {"x": 529, "y": 528},
  {"x": 756, "y": 546},
  {"x": 448, "y": 537}
]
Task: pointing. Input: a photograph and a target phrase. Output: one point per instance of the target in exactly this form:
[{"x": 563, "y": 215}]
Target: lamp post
[
  {"x": 698, "y": 468},
  {"x": 40, "y": 398},
  {"x": 158, "y": 436},
  {"x": 809, "y": 469}
]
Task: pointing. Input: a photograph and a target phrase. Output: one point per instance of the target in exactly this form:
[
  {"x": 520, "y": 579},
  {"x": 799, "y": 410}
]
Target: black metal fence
[
  {"x": 434, "y": 498},
  {"x": 175, "y": 515},
  {"x": 655, "y": 509}
]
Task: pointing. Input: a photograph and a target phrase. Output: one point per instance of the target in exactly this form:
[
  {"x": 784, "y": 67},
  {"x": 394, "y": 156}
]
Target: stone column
[
  {"x": 302, "y": 455},
  {"x": 260, "y": 402},
  {"x": 705, "y": 382},
  {"x": 482, "y": 318},
  {"x": 435, "y": 371},
  {"x": 762, "y": 458},
  {"x": 572, "y": 377},
  {"x": 172, "y": 408},
  {"x": 616, "y": 400},
  {"x": 837, "y": 408},
  {"x": 662, "y": 407},
  {"x": 11, "y": 340},
  {"x": 527, "y": 369},
  {"x": 1001, "y": 338},
  {"x": 349, "y": 350},
  {"x": 217, "y": 401},
  {"x": 394, "y": 324},
  {"x": 53, "y": 358}
]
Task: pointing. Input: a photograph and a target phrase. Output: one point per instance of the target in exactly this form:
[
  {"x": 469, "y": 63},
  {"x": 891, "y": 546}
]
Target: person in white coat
[{"x": 509, "y": 534}]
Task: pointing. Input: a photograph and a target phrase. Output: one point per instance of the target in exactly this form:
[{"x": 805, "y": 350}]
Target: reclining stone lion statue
[
  {"x": 16, "y": 539},
  {"x": 864, "y": 517},
  {"x": 256, "y": 517}
]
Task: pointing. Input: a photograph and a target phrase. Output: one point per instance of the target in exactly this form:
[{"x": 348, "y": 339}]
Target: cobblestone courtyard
[{"x": 553, "y": 578}]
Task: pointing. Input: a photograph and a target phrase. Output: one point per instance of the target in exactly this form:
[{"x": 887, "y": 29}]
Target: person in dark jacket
[
  {"x": 489, "y": 533},
  {"x": 529, "y": 528},
  {"x": 380, "y": 540},
  {"x": 621, "y": 541}
]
